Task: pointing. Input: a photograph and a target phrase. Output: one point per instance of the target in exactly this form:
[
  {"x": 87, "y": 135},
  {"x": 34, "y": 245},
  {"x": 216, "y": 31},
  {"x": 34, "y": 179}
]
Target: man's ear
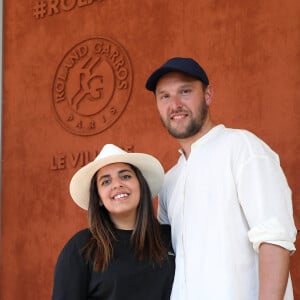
[{"x": 208, "y": 95}]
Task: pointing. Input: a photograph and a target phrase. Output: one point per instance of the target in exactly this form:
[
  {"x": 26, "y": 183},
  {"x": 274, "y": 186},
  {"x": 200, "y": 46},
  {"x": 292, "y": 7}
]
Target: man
[{"x": 227, "y": 199}]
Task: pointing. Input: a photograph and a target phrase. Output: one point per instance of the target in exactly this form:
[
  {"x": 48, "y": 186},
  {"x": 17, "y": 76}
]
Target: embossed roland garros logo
[{"x": 92, "y": 86}]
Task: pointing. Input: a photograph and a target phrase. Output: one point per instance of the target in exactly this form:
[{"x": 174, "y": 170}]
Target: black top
[{"x": 125, "y": 277}]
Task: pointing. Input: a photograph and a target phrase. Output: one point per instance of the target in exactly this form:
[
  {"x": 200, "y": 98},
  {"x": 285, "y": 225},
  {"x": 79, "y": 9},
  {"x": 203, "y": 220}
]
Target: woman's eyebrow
[
  {"x": 125, "y": 170},
  {"x": 104, "y": 176},
  {"x": 119, "y": 172}
]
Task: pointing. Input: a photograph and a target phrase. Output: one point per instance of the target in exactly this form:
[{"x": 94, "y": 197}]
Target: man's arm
[{"x": 273, "y": 271}]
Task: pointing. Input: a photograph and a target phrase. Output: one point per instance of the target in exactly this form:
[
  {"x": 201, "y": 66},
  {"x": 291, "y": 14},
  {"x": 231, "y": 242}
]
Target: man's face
[{"x": 181, "y": 104}]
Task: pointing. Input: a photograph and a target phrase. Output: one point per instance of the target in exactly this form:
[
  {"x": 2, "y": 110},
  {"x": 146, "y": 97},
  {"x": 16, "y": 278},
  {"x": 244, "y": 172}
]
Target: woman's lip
[{"x": 120, "y": 196}]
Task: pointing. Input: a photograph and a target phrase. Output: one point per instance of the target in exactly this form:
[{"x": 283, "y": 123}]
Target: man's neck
[{"x": 186, "y": 143}]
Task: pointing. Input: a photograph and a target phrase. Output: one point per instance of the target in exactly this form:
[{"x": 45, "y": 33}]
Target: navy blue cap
[{"x": 177, "y": 64}]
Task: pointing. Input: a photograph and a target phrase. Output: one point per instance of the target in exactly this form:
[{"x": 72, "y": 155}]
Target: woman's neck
[{"x": 124, "y": 222}]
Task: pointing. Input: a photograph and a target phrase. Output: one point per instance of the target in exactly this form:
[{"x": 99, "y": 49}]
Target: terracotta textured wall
[{"x": 51, "y": 127}]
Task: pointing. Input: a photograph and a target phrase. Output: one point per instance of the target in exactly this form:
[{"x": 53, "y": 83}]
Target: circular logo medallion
[{"x": 92, "y": 86}]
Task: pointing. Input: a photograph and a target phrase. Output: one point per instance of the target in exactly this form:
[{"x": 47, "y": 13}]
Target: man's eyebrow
[
  {"x": 182, "y": 86},
  {"x": 187, "y": 84},
  {"x": 161, "y": 92}
]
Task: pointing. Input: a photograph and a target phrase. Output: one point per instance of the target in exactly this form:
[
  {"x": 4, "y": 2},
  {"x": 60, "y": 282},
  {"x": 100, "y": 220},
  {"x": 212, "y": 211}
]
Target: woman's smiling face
[{"x": 119, "y": 190}]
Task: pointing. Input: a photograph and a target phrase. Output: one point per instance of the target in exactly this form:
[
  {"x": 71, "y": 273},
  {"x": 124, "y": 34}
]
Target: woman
[{"x": 125, "y": 253}]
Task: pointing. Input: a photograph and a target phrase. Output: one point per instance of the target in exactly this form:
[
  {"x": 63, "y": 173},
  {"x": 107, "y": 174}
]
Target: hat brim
[{"x": 150, "y": 167}]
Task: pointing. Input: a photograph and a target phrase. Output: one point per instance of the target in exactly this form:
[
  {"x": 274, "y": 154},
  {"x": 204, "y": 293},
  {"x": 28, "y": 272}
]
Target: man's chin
[
  {"x": 179, "y": 135},
  {"x": 185, "y": 133}
]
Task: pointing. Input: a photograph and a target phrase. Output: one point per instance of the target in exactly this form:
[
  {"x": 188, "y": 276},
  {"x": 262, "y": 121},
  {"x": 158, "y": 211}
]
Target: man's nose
[{"x": 175, "y": 102}]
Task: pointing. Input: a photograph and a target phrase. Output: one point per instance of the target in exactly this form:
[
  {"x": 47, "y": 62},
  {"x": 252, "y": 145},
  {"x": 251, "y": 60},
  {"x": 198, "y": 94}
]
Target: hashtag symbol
[{"x": 39, "y": 9}]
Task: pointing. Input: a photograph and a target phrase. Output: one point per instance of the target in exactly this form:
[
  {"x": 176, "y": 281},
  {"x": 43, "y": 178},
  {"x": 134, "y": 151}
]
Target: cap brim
[{"x": 156, "y": 75}]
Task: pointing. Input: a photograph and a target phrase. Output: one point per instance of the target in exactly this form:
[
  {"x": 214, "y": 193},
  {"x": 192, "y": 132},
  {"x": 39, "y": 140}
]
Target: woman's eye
[
  {"x": 105, "y": 182},
  {"x": 126, "y": 176}
]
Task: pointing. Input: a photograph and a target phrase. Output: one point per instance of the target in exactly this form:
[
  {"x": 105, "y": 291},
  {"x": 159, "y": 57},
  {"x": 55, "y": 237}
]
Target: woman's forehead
[{"x": 114, "y": 167}]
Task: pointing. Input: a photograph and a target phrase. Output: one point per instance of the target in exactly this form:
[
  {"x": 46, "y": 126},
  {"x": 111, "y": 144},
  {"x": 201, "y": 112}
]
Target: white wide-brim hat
[{"x": 150, "y": 167}]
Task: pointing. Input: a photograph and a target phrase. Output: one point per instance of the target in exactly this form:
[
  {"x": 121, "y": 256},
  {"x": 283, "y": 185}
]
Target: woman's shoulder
[
  {"x": 71, "y": 269},
  {"x": 80, "y": 235},
  {"x": 165, "y": 230},
  {"x": 166, "y": 237},
  {"x": 165, "y": 227},
  {"x": 79, "y": 239}
]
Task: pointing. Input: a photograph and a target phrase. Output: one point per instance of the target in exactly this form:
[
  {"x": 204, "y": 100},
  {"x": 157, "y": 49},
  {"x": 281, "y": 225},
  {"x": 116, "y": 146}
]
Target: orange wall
[{"x": 250, "y": 50}]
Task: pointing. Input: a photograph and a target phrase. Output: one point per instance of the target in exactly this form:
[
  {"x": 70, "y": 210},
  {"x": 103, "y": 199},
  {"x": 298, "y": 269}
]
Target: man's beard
[{"x": 193, "y": 127}]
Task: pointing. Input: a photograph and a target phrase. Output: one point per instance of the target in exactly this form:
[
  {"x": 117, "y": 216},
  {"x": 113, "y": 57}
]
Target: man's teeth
[
  {"x": 120, "y": 196},
  {"x": 178, "y": 117}
]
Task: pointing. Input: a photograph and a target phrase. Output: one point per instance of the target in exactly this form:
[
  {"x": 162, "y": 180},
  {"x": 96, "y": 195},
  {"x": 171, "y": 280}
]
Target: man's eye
[
  {"x": 186, "y": 91},
  {"x": 164, "y": 97}
]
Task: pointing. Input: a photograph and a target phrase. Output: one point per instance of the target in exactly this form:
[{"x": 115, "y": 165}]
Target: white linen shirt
[{"x": 229, "y": 196}]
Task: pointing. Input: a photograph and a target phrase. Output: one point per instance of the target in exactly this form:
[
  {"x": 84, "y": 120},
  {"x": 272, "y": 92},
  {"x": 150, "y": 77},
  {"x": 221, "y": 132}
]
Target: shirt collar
[{"x": 210, "y": 134}]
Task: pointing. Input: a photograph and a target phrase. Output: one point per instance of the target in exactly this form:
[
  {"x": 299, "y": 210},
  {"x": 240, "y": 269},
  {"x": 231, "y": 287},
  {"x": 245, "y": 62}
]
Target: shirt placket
[{"x": 183, "y": 220}]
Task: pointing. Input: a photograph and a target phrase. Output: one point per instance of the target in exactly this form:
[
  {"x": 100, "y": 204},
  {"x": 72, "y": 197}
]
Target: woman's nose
[{"x": 117, "y": 183}]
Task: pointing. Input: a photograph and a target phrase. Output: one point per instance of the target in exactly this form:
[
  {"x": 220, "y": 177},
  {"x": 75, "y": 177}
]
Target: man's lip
[{"x": 178, "y": 116}]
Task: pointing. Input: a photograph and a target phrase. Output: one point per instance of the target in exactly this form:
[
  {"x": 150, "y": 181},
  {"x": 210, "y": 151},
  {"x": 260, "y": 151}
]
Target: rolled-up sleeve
[
  {"x": 272, "y": 232},
  {"x": 266, "y": 200}
]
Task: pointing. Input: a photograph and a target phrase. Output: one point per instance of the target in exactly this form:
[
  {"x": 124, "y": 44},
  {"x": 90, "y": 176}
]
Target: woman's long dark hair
[{"x": 146, "y": 239}]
